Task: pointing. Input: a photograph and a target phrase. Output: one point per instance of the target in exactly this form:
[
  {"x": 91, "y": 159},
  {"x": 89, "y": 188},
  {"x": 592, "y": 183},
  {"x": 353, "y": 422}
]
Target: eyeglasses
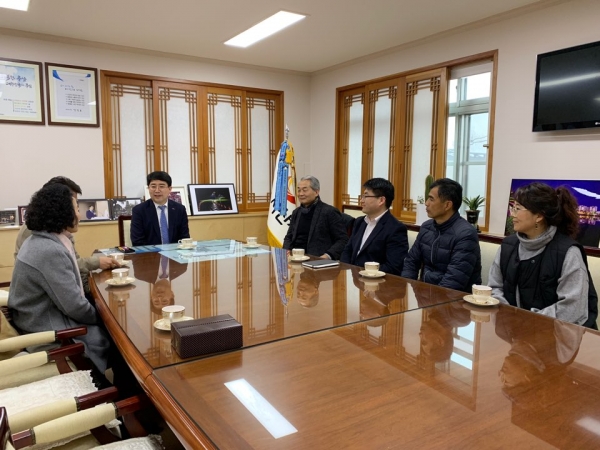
[
  {"x": 515, "y": 210},
  {"x": 370, "y": 196},
  {"x": 154, "y": 187}
]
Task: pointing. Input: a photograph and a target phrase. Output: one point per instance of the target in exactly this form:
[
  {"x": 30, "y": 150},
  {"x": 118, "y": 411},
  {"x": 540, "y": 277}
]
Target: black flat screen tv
[{"x": 567, "y": 89}]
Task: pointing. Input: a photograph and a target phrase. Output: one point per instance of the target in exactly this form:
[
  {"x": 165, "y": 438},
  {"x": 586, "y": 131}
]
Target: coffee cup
[
  {"x": 120, "y": 275},
  {"x": 479, "y": 289},
  {"x": 119, "y": 257},
  {"x": 251, "y": 240},
  {"x": 173, "y": 313},
  {"x": 372, "y": 267},
  {"x": 297, "y": 253},
  {"x": 186, "y": 242}
]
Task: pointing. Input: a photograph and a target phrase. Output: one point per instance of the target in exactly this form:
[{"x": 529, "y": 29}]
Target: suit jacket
[
  {"x": 145, "y": 229},
  {"x": 146, "y": 267},
  {"x": 327, "y": 232},
  {"x": 387, "y": 244}
]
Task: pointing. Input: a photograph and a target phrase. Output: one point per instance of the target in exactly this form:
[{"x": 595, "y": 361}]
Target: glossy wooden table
[
  {"x": 440, "y": 377},
  {"x": 271, "y": 304}
]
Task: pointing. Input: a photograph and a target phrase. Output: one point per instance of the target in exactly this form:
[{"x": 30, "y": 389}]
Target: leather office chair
[{"x": 124, "y": 227}]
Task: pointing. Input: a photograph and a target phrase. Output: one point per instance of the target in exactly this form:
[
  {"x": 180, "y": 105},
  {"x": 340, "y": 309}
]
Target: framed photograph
[
  {"x": 8, "y": 217},
  {"x": 93, "y": 209},
  {"x": 21, "y": 92},
  {"x": 122, "y": 206},
  {"x": 587, "y": 194},
  {"x": 209, "y": 199},
  {"x": 21, "y": 211},
  {"x": 178, "y": 194},
  {"x": 72, "y": 94}
]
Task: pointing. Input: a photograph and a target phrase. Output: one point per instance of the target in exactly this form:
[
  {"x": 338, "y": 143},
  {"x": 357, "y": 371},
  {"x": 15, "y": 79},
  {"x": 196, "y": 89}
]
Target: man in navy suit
[
  {"x": 378, "y": 236},
  {"x": 159, "y": 220}
]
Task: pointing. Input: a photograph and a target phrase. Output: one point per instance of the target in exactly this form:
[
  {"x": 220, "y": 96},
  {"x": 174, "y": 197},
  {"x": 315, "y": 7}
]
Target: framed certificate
[
  {"x": 21, "y": 92},
  {"x": 72, "y": 94}
]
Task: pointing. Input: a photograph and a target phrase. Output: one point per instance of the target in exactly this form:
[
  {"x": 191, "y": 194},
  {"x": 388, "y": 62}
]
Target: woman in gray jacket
[{"x": 46, "y": 290}]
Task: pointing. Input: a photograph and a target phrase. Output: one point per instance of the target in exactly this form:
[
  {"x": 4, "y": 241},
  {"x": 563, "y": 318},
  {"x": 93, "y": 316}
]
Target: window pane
[
  {"x": 478, "y": 86},
  {"x": 451, "y": 148},
  {"x": 453, "y": 91},
  {"x": 478, "y": 137},
  {"x": 353, "y": 189},
  {"x": 421, "y": 142},
  {"x": 262, "y": 144},
  {"x": 382, "y": 132}
]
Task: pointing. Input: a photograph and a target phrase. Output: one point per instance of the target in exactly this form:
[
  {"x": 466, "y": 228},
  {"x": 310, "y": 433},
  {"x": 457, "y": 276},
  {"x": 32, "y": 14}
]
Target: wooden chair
[{"x": 124, "y": 227}]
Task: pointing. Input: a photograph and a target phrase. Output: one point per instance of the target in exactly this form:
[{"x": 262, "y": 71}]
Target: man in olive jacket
[
  {"x": 447, "y": 246},
  {"x": 315, "y": 226}
]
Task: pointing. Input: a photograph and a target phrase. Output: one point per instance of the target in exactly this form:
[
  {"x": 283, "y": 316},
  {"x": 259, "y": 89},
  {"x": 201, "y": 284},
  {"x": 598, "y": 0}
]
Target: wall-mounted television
[{"x": 567, "y": 89}]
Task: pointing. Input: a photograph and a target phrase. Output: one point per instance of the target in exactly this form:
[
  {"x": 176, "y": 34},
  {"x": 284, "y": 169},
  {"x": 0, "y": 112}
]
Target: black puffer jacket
[{"x": 449, "y": 253}]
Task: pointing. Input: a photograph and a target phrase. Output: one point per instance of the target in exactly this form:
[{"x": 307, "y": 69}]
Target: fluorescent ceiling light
[
  {"x": 21, "y": 5},
  {"x": 267, "y": 27}
]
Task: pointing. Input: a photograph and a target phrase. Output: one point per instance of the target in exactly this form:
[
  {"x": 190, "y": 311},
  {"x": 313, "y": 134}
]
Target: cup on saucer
[
  {"x": 119, "y": 257},
  {"x": 252, "y": 241},
  {"x": 173, "y": 313},
  {"x": 372, "y": 268},
  {"x": 119, "y": 276},
  {"x": 297, "y": 254},
  {"x": 481, "y": 290},
  {"x": 186, "y": 242}
]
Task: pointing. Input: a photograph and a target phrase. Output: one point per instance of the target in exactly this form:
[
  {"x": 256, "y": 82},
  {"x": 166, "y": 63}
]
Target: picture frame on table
[
  {"x": 8, "y": 217},
  {"x": 212, "y": 199},
  {"x": 178, "y": 194},
  {"x": 72, "y": 95},
  {"x": 21, "y": 92},
  {"x": 93, "y": 210},
  {"x": 122, "y": 206},
  {"x": 21, "y": 212}
]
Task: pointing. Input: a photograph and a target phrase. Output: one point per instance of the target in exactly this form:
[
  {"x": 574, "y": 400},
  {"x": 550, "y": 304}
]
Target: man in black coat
[
  {"x": 447, "y": 246},
  {"x": 378, "y": 236},
  {"x": 315, "y": 226},
  {"x": 159, "y": 220}
]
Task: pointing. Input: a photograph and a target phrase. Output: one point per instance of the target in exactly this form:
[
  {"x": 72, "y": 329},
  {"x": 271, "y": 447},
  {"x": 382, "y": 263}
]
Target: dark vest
[{"x": 537, "y": 277}]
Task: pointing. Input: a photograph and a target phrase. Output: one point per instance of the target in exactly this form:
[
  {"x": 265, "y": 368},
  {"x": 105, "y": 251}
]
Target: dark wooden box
[{"x": 207, "y": 335}]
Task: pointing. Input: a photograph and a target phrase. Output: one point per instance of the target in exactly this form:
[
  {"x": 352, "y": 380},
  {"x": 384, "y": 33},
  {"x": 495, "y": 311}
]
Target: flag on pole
[{"x": 283, "y": 195}]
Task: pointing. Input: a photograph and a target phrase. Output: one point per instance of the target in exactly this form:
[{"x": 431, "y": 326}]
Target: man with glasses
[
  {"x": 446, "y": 250},
  {"x": 378, "y": 236},
  {"x": 158, "y": 220},
  {"x": 316, "y": 227}
]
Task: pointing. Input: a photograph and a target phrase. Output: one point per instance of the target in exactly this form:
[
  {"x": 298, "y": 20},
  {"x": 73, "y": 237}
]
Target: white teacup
[
  {"x": 186, "y": 242},
  {"x": 173, "y": 313},
  {"x": 297, "y": 253},
  {"x": 479, "y": 289},
  {"x": 119, "y": 257},
  {"x": 120, "y": 275},
  {"x": 372, "y": 267},
  {"x": 251, "y": 240}
]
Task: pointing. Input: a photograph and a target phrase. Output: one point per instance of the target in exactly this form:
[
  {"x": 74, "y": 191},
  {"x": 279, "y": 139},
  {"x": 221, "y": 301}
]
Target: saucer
[
  {"x": 125, "y": 263},
  {"x": 251, "y": 245},
  {"x": 302, "y": 258},
  {"x": 378, "y": 274},
  {"x": 372, "y": 279},
  {"x": 165, "y": 325},
  {"x": 481, "y": 301},
  {"x": 112, "y": 282},
  {"x": 186, "y": 247}
]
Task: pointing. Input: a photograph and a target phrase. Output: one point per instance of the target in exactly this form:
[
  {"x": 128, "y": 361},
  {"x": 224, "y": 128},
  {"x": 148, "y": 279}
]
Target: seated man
[
  {"x": 315, "y": 226},
  {"x": 378, "y": 236},
  {"x": 447, "y": 247},
  {"x": 158, "y": 220},
  {"x": 85, "y": 264}
]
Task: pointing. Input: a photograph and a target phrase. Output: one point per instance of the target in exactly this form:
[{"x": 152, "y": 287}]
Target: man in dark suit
[
  {"x": 378, "y": 236},
  {"x": 159, "y": 220},
  {"x": 315, "y": 226}
]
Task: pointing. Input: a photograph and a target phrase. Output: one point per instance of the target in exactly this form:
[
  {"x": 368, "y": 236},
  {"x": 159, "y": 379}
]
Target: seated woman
[
  {"x": 542, "y": 268},
  {"x": 46, "y": 291}
]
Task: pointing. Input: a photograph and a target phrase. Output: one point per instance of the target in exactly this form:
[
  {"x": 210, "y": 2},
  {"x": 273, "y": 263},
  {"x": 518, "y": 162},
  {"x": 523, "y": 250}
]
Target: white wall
[
  {"x": 518, "y": 153},
  {"x": 30, "y": 155}
]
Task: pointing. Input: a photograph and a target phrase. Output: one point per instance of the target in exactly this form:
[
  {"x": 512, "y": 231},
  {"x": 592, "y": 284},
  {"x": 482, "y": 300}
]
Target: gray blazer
[
  {"x": 45, "y": 295},
  {"x": 327, "y": 231}
]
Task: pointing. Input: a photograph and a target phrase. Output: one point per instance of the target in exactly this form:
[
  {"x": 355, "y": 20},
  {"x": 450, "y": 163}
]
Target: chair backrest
[{"x": 124, "y": 227}]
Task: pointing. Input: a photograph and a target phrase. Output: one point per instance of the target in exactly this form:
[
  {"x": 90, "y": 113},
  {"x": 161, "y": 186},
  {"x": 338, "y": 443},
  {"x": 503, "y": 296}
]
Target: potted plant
[
  {"x": 473, "y": 204},
  {"x": 421, "y": 211}
]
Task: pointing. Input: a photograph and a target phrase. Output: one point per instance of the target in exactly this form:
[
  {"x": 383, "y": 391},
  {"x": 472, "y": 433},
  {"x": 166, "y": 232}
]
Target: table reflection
[{"x": 271, "y": 297}]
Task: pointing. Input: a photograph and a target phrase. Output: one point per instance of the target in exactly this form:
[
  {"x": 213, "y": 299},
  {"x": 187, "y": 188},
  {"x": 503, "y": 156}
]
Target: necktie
[{"x": 164, "y": 227}]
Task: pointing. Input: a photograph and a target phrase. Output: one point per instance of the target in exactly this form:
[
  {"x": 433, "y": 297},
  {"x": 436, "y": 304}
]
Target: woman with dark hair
[
  {"x": 541, "y": 267},
  {"x": 46, "y": 291}
]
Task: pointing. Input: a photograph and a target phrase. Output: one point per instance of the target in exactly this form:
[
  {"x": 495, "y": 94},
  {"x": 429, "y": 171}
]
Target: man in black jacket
[
  {"x": 316, "y": 227},
  {"x": 447, "y": 247}
]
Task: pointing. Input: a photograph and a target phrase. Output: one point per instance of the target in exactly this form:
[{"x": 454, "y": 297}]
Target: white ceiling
[{"x": 335, "y": 31}]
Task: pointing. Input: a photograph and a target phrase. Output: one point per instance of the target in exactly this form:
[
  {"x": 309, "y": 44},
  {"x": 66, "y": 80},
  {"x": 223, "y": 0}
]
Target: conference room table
[{"x": 333, "y": 360}]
